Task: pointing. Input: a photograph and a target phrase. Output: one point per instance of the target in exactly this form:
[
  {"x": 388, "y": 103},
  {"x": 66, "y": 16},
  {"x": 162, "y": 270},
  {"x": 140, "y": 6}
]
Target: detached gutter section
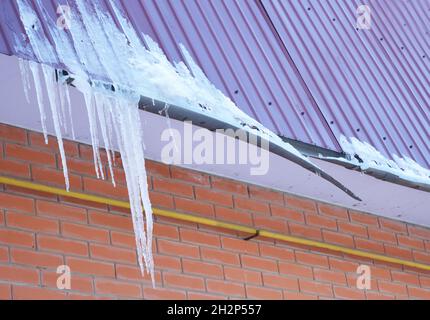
[{"x": 215, "y": 223}]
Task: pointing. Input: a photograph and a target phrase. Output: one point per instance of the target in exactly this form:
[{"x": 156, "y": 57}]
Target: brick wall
[{"x": 39, "y": 232}]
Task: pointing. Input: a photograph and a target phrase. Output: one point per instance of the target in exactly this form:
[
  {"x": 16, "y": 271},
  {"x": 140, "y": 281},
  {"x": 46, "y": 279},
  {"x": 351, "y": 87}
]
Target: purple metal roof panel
[
  {"x": 370, "y": 84},
  {"x": 299, "y": 67},
  {"x": 236, "y": 46}
]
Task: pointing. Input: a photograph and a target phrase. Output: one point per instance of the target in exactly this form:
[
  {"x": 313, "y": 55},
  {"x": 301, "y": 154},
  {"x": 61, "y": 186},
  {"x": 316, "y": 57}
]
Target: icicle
[
  {"x": 39, "y": 95},
  {"x": 89, "y": 103},
  {"x": 51, "y": 87},
  {"x": 100, "y": 104},
  {"x": 23, "y": 67}
]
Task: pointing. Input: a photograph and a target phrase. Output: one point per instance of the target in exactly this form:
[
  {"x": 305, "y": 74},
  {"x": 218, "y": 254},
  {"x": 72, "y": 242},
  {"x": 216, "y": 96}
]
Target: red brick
[
  {"x": 312, "y": 287},
  {"x": 352, "y": 229},
  {"x": 113, "y": 221},
  {"x": 80, "y": 167},
  {"x": 364, "y": 218},
  {"x": 394, "y": 288},
  {"x": 177, "y": 249},
  {"x": 274, "y": 280},
  {"x": 15, "y": 168},
  {"x": 92, "y": 267},
  {"x": 173, "y": 187},
  {"x": 333, "y": 211},
  {"x": 300, "y": 203},
  {"x": 259, "y": 263},
  {"x": 213, "y": 196},
  {"x": 105, "y": 188},
  {"x": 121, "y": 239},
  {"x": 183, "y": 281},
  {"x": 30, "y": 155},
  {"x": 18, "y": 238},
  {"x": 167, "y": 263},
  {"x": 330, "y": 276},
  {"x": 383, "y": 236},
  {"x": 161, "y": 200},
  {"x": 419, "y": 232},
  {"x": 322, "y": 222},
  {"x": 348, "y": 293},
  {"x": 240, "y": 245},
  {"x": 392, "y": 225},
  {"x": 55, "y": 177},
  {"x": 166, "y": 231},
  {"x": 61, "y": 211},
  {"x": 242, "y": 275},
  {"x": 32, "y": 223},
  {"x": 419, "y": 293},
  {"x": 4, "y": 254},
  {"x": 263, "y": 293},
  {"x": 279, "y": 253},
  {"x": 202, "y": 268},
  {"x": 410, "y": 279},
  {"x": 266, "y": 195},
  {"x": 369, "y": 245},
  {"x": 340, "y": 239},
  {"x": 225, "y": 288},
  {"x": 270, "y": 223},
  {"x": 287, "y": 213},
  {"x": 191, "y": 176},
  {"x": 35, "y": 258},
  {"x": 306, "y": 232},
  {"x": 342, "y": 265},
  {"x": 193, "y": 206},
  {"x": 421, "y": 257},
  {"x": 157, "y": 168},
  {"x": 113, "y": 254},
  {"x": 199, "y": 237},
  {"x": 5, "y": 292},
  {"x": 62, "y": 245},
  {"x": 380, "y": 272},
  {"x": 232, "y": 215},
  {"x": 37, "y": 140},
  {"x": 229, "y": 185},
  {"x": 398, "y": 252},
  {"x": 251, "y": 205},
  {"x": 13, "y": 134},
  {"x": 220, "y": 256},
  {"x": 37, "y": 293},
  {"x": 311, "y": 259},
  {"x": 118, "y": 288},
  {"x": 19, "y": 274},
  {"x": 409, "y": 242},
  {"x": 163, "y": 294},
  {"x": 293, "y": 269},
  {"x": 84, "y": 232},
  {"x": 14, "y": 202}
]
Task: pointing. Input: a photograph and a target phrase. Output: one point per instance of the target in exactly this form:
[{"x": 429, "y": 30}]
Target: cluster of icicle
[
  {"x": 95, "y": 50},
  {"x": 370, "y": 157}
]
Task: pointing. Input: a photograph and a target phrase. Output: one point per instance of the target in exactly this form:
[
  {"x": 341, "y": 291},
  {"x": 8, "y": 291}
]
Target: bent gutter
[
  {"x": 212, "y": 124},
  {"x": 215, "y": 223}
]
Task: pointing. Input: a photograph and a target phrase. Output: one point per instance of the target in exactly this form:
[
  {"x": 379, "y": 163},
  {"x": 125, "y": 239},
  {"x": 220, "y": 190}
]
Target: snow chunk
[{"x": 367, "y": 157}]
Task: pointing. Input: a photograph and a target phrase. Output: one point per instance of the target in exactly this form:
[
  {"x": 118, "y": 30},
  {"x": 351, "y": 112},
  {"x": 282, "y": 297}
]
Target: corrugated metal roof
[
  {"x": 236, "y": 47},
  {"x": 299, "y": 67},
  {"x": 370, "y": 84}
]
